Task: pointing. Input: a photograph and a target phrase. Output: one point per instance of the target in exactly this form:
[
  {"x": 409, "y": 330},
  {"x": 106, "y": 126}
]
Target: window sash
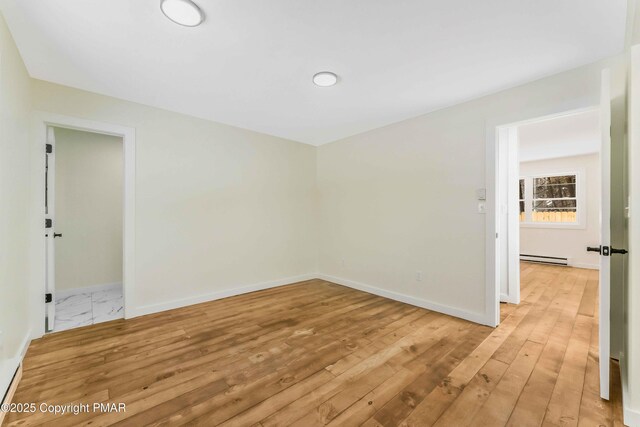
[{"x": 555, "y": 198}]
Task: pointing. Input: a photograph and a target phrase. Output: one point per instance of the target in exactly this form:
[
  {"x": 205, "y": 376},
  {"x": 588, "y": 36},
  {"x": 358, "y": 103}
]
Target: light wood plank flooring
[{"x": 316, "y": 353}]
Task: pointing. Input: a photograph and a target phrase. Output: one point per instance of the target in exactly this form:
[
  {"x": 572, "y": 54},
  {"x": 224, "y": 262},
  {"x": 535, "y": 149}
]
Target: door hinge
[
  {"x": 48, "y": 223},
  {"x": 48, "y": 298},
  {"x": 49, "y": 148}
]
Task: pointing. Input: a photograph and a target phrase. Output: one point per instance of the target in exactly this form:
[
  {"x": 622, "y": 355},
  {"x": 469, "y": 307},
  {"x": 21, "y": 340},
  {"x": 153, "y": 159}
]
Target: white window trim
[{"x": 581, "y": 206}]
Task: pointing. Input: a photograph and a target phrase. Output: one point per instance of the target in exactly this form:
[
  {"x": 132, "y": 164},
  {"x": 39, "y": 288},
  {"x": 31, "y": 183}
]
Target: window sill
[{"x": 557, "y": 225}]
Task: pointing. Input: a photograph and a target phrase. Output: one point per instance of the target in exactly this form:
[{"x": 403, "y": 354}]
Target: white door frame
[
  {"x": 42, "y": 120},
  {"x": 508, "y": 210},
  {"x": 492, "y": 225},
  {"x": 50, "y": 246}
]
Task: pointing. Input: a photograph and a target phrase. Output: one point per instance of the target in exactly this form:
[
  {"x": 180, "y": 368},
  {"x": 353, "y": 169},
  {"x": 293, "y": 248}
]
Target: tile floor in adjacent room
[{"x": 88, "y": 308}]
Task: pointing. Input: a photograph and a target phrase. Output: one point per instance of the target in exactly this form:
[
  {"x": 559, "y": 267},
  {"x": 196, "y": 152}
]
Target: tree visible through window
[
  {"x": 554, "y": 199},
  {"x": 549, "y": 199}
]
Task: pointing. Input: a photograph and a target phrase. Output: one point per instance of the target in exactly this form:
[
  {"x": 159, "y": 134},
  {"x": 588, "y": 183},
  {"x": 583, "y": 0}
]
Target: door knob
[
  {"x": 618, "y": 251},
  {"x": 57, "y": 235},
  {"x": 606, "y": 250}
]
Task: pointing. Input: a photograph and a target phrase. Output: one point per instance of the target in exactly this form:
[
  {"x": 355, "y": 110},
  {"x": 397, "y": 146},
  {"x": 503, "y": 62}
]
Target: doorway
[
  {"x": 44, "y": 318},
  {"x": 550, "y": 195},
  {"x": 83, "y": 204},
  {"x": 553, "y": 206}
]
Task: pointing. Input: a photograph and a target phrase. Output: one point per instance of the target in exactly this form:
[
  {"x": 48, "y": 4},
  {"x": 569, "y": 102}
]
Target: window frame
[{"x": 581, "y": 206}]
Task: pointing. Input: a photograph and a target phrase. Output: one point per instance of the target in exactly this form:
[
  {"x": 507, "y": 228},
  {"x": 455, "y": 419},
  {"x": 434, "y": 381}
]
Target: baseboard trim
[
  {"x": 93, "y": 288},
  {"x": 630, "y": 416},
  {"x": 26, "y": 342},
  {"x": 418, "y": 302},
  {"x": 170, "y": 305},
  {"x": 11, "y": 367},
  {"x": 584, "y": 265}
]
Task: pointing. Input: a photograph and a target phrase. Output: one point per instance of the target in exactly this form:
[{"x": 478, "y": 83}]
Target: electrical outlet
[{"x": 418, "y": 276}]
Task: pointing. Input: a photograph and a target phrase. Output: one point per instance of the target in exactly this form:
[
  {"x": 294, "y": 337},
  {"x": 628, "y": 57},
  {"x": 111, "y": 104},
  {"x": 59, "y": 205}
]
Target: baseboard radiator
[
  {"x": 540, "y": 259},
  {"x": 8, "y": 396}
]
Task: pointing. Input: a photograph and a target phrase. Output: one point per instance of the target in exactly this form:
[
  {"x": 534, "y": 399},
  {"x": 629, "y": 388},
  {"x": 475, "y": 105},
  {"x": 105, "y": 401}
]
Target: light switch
[
  {"x": 482, "y": 207},
  {"x": 481, "y": 194}
]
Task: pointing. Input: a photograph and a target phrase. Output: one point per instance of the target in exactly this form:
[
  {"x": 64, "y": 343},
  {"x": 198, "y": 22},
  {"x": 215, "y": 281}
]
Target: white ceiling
[
  {"x": 571, "y": 135},
  {"x": 250, "y": 64}
]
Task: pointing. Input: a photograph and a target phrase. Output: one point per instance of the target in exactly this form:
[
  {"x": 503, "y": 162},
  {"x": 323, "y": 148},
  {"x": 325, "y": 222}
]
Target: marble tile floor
[{"x": 83, "y": 309}]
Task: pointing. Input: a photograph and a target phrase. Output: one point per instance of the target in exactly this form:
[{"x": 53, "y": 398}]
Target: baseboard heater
[
  {"x": 11, "y": 391},
  {"x": 544, "y": 259}
]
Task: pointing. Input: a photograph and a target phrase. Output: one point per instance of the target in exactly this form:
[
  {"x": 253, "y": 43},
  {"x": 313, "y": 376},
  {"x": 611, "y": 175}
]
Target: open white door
[
  {"x": 508, "y": 213},
  {"x": 605, "y": 232},
  {"x": 49, "y": 203},
  {"x": 605, "y": 249}
]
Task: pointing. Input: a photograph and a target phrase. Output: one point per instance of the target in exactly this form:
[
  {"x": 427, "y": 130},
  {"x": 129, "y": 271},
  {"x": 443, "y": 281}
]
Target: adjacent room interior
[
  {"x": 293, "y": 213},
  {"x": 559, "y": 190},
  {"x": 85, "y": 201}
]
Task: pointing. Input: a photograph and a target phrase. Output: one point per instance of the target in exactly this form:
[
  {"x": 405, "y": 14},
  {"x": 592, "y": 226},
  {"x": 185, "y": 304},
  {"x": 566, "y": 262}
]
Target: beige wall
[
  {"x": 14, "y": 204},
  {"x": 402, "y": 199},
  {"x": 568, "y": 242},
  {"x": 217, "y": 207},
  {"x": 88, "y": 209}
]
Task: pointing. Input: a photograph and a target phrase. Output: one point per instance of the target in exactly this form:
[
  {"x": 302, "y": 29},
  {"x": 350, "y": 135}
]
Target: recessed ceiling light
[
  {"x": 183, "y": 12},
  {"x": 325, "y": 78}
]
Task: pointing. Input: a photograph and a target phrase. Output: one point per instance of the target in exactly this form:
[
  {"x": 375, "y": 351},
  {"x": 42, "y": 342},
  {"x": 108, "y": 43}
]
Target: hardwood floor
[{"x": 316, "y": 353}]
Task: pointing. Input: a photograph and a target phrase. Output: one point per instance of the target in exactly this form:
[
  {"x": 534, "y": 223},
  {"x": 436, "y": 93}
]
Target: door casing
[{"x": 37, "y": 289}]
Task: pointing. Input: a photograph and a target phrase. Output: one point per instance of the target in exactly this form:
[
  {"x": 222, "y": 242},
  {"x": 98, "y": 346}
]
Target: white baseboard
[
  {"x": 418, "y": 302},
  {"x": 93, "y": 288},
  {"x": 10, "y": 366},
  {"x": 184, "y": 302},
  {"x": 170, "y": 305},
  {"x": 631, "y": 416},
  {"x": 584, "y": 265},
  {"x": 24, "y": 346}
]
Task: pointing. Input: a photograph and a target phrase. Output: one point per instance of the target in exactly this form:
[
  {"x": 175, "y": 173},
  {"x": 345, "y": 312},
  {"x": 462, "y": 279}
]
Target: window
[
  {"x": 551, "y": 199},
  {"x": 554, "y": 199}
]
